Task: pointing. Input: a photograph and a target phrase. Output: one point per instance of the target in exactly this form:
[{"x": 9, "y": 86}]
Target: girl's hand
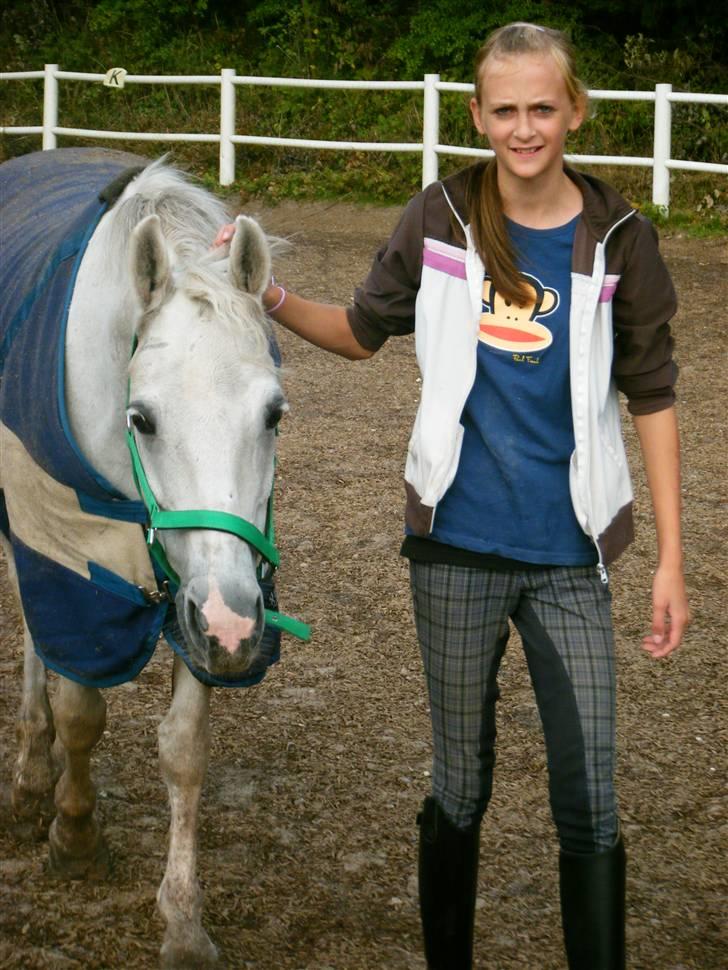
[
  {"x": 660, "y": 444},
  {"x": 274, "y": 295},
  {"x": 224, "y": 235},
  {"x": 670, "y": 614}
]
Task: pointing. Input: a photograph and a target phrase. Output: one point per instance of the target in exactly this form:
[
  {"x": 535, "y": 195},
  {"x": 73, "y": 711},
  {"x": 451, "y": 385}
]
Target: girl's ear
[
  {"x": 477, "y": 115},
  {"x": 580, "y": 109}
]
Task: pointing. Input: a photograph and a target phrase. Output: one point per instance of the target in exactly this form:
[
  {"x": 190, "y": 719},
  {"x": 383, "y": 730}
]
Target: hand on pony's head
[{"x": 224, "y": 235}]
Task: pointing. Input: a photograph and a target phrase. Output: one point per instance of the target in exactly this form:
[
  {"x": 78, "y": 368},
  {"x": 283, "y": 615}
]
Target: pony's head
[{"x": 204, "y": 402}]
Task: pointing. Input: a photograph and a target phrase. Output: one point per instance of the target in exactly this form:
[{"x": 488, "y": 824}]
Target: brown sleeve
[
  {"x": 643, "y": 305},
  {"x": 384, "y": 305}
]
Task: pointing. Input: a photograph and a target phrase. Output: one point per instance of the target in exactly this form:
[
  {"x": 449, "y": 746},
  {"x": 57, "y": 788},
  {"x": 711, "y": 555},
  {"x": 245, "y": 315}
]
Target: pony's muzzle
[{"x": 223, "y": 631}]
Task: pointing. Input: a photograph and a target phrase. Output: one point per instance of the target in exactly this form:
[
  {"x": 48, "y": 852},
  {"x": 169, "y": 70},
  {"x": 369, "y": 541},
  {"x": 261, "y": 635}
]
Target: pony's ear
[
  {"x": 150, "y": 263},
  {"x": 250, "y": 263}
]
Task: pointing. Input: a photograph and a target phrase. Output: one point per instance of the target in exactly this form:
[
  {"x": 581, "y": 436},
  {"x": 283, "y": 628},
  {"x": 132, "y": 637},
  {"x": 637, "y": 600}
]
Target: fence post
[
  {"x": 50, "y": 106},
  {"x": 227, "y": 126},
  {"x": 430, "y": 129},
  {"x": 662, "y": 147}
]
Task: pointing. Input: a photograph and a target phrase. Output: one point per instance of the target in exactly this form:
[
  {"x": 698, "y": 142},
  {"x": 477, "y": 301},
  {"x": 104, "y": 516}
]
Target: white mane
[
  {"x": 190, "y": 218},
  {"x": 189, "y": 213}
]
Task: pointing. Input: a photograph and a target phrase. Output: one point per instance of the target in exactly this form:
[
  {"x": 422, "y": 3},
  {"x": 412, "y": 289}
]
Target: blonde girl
[{"x": 535, "y": 294}]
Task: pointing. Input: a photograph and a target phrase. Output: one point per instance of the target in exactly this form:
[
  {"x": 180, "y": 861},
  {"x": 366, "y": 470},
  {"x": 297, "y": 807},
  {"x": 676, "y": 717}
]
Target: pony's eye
[
  {"x": 274, "y": 415},
  {"x": 140, "y": 421}
]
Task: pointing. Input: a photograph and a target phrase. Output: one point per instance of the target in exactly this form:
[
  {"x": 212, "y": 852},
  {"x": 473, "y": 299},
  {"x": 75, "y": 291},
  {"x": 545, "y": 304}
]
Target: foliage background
[{"x": 620, "y": 45}]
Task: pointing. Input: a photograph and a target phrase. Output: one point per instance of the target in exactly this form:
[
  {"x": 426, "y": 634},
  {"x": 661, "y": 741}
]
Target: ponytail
[{"x": 490, "y": 235}]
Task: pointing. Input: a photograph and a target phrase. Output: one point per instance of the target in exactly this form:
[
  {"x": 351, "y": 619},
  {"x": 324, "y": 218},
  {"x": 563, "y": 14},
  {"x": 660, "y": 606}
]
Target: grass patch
[{"x": 686, "y": 222}]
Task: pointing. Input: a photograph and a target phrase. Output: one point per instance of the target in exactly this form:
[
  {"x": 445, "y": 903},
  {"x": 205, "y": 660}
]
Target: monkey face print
[{"x": 507, "y": 326}]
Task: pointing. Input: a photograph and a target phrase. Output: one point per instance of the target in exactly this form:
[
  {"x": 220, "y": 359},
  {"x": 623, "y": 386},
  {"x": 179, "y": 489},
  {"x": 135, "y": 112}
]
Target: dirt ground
[{"x": 308, "y": 841}]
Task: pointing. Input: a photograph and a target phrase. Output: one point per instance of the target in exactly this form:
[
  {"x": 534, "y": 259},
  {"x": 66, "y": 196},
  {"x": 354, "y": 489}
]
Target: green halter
[{"x": 207, "y": 519}]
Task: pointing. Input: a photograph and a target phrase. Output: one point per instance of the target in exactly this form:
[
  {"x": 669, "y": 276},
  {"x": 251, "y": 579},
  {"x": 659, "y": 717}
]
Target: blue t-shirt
[{"x": 510, "y": 496}]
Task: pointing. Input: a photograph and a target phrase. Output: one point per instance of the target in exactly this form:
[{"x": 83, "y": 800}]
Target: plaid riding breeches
[{"x": 563, "y": 616}]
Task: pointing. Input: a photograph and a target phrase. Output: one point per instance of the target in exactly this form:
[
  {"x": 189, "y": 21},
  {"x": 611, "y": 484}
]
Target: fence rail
[{"x": 430, "y": 147}]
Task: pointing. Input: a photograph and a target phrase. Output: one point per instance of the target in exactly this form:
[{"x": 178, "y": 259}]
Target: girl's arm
[
  {"x": 659, "y": 440},
  {"x": 322, "y": 324}
]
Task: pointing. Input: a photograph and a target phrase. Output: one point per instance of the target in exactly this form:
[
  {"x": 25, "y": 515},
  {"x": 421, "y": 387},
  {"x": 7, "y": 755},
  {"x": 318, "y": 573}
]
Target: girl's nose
[{"x": 524, "y": 128}]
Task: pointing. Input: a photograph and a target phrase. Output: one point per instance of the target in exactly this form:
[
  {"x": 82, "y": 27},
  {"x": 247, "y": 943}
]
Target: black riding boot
[
  {"x": 448, "y": 878},
  {"x": 592, "y": 908}
]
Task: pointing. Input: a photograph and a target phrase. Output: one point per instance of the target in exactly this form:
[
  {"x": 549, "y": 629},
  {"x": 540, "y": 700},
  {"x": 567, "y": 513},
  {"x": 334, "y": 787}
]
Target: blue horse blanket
[{"x": 79, "y": 548}]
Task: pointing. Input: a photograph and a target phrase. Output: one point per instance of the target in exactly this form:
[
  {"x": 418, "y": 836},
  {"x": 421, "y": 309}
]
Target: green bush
[{"x": 360, "y": 39}]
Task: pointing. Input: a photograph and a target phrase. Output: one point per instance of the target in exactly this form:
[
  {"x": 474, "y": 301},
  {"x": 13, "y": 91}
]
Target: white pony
[{"x": 201, "y": 398}]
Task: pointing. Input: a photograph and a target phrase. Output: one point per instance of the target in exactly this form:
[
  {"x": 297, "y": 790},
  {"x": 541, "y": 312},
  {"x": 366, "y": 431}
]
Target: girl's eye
[
  {"x": 545, "y": 109},
  {"x": 502, "y": 112}
]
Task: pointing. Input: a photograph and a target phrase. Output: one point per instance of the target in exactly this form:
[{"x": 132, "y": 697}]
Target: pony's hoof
[
  {"x": 188, "y": 952},
  {"x": 25, "y": 815},
  {"x": 93, "y": 864},
  {"x": 32, "y": 829},
  {"x": 31, "y": 815}
]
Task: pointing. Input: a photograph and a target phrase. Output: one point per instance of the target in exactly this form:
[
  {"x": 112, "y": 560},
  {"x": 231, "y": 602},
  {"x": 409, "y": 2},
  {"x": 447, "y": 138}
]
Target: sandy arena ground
[{"x": 308, "y": 841}]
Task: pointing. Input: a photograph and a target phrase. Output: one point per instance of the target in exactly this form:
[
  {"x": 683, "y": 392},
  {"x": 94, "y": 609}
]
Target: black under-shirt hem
[{"x": 421, "y": 549}]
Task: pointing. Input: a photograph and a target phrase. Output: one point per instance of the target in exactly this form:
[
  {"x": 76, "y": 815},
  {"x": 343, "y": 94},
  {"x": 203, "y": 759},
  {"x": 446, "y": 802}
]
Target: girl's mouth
[{"x": 527, "y": 151}]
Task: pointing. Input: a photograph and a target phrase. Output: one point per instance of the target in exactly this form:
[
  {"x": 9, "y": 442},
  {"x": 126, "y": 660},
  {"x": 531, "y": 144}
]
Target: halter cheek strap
[{"x": 194, "y": 518}]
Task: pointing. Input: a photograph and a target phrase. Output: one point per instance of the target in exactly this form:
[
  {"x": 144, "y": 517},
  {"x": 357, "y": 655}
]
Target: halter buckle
[{"x": 155, "y": 597}]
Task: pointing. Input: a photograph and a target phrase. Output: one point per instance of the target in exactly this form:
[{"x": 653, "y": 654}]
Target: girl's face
[{"x": 525, "y": 112}]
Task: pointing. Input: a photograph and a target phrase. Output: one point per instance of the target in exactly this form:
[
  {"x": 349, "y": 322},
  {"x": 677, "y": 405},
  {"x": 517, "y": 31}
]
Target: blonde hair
[{"x": 485, "y": 206}]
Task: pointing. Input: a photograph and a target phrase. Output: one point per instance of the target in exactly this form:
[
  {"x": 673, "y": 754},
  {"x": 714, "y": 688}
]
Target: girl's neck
[{"x": 540, "y": 206}]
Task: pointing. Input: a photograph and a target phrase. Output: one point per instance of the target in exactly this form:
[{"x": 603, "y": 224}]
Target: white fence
[{"x": 430, "y": 147}]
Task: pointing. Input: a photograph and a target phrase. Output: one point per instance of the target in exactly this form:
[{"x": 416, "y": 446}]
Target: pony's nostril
[
  {"x": 195, "y": 617},
  {"x": 201, "y": 620}
]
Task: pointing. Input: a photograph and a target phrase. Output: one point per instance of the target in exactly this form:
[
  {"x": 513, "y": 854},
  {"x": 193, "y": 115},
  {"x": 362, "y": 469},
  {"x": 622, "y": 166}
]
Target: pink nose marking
[{"x": 223, "y": 623}]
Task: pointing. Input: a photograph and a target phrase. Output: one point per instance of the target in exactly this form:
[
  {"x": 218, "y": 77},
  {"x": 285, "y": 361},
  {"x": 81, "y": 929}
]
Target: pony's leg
[
  {"x": 35, "y": 776},
  {"x": 35, "y": 770},
  {"x": 184, "y": 750},
  {"x": 77, "y": 847}
]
